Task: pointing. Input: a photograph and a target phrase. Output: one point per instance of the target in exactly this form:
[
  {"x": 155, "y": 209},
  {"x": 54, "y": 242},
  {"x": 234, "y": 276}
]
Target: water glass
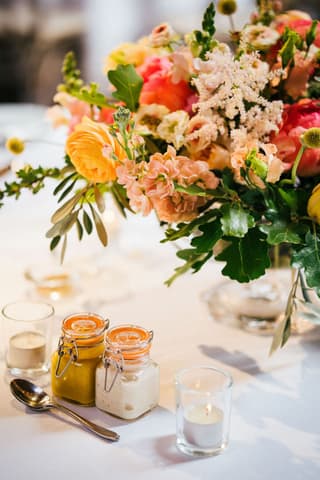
[{"x": 203, "y": 401}]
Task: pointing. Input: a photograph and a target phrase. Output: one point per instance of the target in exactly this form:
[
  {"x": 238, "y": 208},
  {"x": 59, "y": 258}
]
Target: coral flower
[
  {"x": 92, "y": 151},
  {"x": 298, "y": 118},
  {"x": 159, "y": 87}
]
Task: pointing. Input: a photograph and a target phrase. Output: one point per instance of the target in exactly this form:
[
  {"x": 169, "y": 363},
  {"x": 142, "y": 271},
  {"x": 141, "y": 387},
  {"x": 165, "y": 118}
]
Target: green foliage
[
  {"x": 308, "y": 258},
  {"x": 235, "y": 221},
  {"x": 246, "y": 258},
  {"x": 202, "y": 41},
  {"x": 292, "y": 41},
  {"x": 128, "y": 85}
]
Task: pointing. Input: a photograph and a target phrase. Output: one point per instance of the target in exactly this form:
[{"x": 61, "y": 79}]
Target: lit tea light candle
[
  {"x": 203, "y": 425},
  {"x": 27, "y": 350}
]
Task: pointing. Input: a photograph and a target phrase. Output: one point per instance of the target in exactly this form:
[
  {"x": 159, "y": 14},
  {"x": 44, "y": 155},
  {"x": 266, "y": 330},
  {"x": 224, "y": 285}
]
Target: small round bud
[
  {"x": 311, "y": 138},
  {"x": 227, "y": 7},
  {"x": 15, "y": 145}
]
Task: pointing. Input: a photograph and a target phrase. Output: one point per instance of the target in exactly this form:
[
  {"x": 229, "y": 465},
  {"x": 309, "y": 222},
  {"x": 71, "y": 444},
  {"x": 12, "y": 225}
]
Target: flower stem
[{"x": 296, "y": 164}]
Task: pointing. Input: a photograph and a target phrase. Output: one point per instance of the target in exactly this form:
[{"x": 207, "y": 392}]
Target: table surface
[{"x": 274, "y": 425}]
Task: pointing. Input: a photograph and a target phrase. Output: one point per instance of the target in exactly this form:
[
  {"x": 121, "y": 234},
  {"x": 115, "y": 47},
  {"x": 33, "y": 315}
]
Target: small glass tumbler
[
  {"x": 27, "y": 333},
  {"x": 203, "y": 401}
]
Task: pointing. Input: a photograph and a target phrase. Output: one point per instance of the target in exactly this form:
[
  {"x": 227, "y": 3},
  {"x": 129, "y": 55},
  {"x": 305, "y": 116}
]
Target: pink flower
[
  {"x": 159, "y": 87},
  {"x": 298, "y": 118},
  {"x": 76, "y": 109}
]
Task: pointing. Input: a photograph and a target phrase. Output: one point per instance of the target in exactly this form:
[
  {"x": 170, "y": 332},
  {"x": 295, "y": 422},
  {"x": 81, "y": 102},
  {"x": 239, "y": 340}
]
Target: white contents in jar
[
  {"x": 133, "y": 393},
  {"x": 27, "y": 350}
]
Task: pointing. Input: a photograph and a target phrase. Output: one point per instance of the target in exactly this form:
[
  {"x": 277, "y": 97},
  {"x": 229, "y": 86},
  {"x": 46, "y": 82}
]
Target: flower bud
[
  {"x": 311, "y": 138},
  {"x": 227, "y": 7},
  {"x": 15, "y": 145},
  {"x": 313, "y": 207}
]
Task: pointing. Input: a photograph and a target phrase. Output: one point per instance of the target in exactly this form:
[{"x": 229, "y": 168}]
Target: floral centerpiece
[{"x": 222, "y": 141}]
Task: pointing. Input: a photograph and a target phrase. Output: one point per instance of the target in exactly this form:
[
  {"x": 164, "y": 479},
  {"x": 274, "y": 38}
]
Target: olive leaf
[
  {"x": 100, "y": 228},
  {"x": 63, "y": 226},
  {"x": 66, "y": 208},
  {"x": 99, "y": 199},
  {"x": 87, "y": 222},
  {"x": 63, "y": 249}
]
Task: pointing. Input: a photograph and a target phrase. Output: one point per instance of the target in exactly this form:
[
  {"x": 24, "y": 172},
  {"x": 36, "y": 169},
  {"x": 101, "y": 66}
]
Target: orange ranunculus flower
[{"x": 91, "y": 149}]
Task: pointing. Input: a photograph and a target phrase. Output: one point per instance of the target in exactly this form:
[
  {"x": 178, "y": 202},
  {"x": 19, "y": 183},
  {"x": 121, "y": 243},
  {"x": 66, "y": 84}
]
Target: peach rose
[{"x": 91, "y": 149}]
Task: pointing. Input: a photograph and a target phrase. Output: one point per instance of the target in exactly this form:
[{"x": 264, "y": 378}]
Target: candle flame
[{"x": 208, "y": 409}]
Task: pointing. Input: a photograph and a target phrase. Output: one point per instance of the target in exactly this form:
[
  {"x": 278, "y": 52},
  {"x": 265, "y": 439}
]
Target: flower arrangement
[{"x": 221, "y": 141}]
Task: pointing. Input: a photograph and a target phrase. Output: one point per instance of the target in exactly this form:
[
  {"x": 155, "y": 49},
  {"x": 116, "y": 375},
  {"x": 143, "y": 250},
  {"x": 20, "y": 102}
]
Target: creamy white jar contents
[
  {"x": 134, "y": 392},
  {"x": 26, "y": 350}
]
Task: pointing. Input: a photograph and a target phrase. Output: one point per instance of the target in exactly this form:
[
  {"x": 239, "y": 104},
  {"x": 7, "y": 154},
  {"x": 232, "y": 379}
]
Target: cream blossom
[
  {"x": 172, "y": 128},
  {"x": 259, "y": 37},
  {"x": 161, "y": 35},
  {"x": 148, "y": 117}
]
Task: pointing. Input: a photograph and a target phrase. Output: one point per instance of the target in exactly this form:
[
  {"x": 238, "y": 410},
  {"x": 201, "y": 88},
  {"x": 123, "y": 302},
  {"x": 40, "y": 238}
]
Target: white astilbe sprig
[{"x": 230, "y": 91}]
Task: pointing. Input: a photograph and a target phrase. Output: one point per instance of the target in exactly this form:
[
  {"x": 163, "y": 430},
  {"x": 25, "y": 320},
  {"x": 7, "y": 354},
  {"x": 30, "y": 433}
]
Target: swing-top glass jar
[
  {"x": 127, "y": 380},
  {"x": 79, "y": 351}
]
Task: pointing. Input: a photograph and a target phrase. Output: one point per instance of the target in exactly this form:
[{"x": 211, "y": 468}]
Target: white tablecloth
[{"x": 275, "y": 422}]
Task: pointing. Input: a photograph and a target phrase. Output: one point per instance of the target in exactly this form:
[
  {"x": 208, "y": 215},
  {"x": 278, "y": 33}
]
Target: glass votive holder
[
  {"x": 50, "y": 282},
  {"x": 27, "y": 333},
  {"x": 203, "y": 402}
]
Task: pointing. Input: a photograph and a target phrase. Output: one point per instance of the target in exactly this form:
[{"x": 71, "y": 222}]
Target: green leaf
[
  {"x": 87, "y": 222},
  {"x": 247, "y": 258},
  {"x": 63, "y": 226},
  {"x": 63, "y": 249},
  {"x": 235, "y": 221},
  {"x": 62, "y": 184},
  {"x": 291, "y": 40},
  {"x": 128, "y": 85},
  {"x": 211, "y": 233},
  {"x": 79, "y": 229},
  {"x": 308, "y": 258},
  {"x": 191, "y": 190},
  {"x": 290, "y": 197},
  {"x": 282, "y": 232},
  {"x": 311, "y": 33},
  {"x": 99, "y": 199},
  {"x": 67, "y": 190},
  {"x": 259, "y": 167},
  {"x": 185, "y": 229},
  {"x": 54, "y": 242},
  {"x": 66, "y": 208},
  {"x": 100, "y": 228},
  {"x": 208, "y": 20}
]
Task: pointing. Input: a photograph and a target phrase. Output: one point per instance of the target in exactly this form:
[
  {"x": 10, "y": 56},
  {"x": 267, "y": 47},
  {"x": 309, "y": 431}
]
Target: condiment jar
[
  {"x": 127, "y": 380},
  {"x": 79, "y": 351}
]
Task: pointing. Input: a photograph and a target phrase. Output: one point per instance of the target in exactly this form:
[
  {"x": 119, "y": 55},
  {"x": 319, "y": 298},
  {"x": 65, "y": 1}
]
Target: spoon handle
[{"x": 93, "y": 427}]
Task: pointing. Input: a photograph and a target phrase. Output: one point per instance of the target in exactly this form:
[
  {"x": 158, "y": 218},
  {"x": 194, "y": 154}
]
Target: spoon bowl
[{"x": 37, "y": 399}]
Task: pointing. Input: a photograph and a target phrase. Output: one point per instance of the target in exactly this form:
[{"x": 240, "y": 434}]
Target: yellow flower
[
  {"x": 313, "y": 206},
  {"x": 15, "y": 145},
  {"x": 94, "y": 151},
  {"x": 134, "y": 53},
  {"x": 227, "y": 7}
]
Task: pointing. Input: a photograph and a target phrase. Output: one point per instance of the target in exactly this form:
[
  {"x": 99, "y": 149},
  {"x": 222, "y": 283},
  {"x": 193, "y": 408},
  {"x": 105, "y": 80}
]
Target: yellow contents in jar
[
  {"x": 80, "y": 349},
  {"x": 77, "y": 384}
]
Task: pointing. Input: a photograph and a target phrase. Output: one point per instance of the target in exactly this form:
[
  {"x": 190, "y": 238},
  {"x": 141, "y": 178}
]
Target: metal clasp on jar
[
  {"x": 71, "y": 349},
  {"x": 115, "y": 359}
]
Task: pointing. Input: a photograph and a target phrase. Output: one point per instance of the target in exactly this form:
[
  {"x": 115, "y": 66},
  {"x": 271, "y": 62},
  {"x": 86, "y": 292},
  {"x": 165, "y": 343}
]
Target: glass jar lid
[
  {"x": 85, "y": 328},
  {"x": 131, "y": 340}
]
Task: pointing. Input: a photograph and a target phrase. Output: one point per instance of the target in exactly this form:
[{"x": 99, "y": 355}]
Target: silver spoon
[{"x": 37, "y": 399}]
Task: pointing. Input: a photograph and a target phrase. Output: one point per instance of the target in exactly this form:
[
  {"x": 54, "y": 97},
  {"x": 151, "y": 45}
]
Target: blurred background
[{"x": 36, "y": 34}]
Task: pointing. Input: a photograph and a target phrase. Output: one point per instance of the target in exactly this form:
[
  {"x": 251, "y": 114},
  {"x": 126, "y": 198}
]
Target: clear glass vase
[{"x": 256, "y": 306}]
